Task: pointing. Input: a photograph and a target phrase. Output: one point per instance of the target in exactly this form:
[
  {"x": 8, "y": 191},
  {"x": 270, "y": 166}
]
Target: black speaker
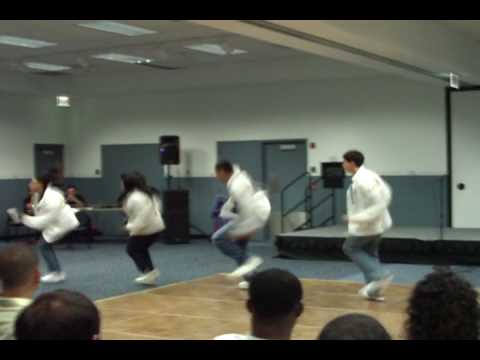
[
  {"x": 176, "y": 214},
  {"x": 169, "y": 150},
  {"x": 333, "y": 175}
]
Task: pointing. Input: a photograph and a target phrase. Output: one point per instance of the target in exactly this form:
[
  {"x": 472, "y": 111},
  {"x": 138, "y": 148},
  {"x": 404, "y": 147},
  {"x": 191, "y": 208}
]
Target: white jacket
[
  {"x": 245, "y": 198},
  {"x": 143, "y": 214},
  {"x": 53, "y": 216},
  {"x": 368, "y": 200}
]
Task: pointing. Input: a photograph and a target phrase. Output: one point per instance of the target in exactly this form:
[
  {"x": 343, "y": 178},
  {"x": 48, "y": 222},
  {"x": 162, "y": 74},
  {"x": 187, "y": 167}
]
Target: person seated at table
[
  {"x": 74, "y": 199},
  {"x": 28, "y": 203}
]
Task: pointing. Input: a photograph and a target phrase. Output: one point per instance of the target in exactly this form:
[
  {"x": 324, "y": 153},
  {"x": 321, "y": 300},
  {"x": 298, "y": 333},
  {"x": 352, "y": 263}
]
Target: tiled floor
[{"x": 207, "y": 307}]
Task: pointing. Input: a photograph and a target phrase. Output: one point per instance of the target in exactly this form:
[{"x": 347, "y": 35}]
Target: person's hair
[
  {"x": 17, "y": 266},
  {"x": 443, "y": 306},
  {"x": 274, "y": 294},
  {"x": 354, "y": 156},
  {"x": 71, "y": 187},
  {"x": 354, "y": 327},
  {"x": 59, "y": 315},
  {"x": 134, "y": 181},
  {"x": 224, "y": 166}
]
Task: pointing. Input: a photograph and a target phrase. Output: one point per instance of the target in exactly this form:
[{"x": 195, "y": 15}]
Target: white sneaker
[
  {"x": 54, "y": 277},
  {"x": 246, "y": 268},
  {"x": 149, "y": 278},
  {"x": 244, "y": 285},
  {"x": 378, "y": 287},
  {"x": 366, "y": 292}
]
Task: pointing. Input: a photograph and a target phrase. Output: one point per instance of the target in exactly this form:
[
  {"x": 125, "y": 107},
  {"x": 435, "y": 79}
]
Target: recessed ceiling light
[
  {"x": 63, "y": 101},
  {"x": 46, "y": 67},
  {"x": 24, "y": 42},
  {"x": 238, "y": 52},
  {"x": 128, "y": 59},
  {"x": 117, "y": 28},
  {"x": 215, "y": 49}
]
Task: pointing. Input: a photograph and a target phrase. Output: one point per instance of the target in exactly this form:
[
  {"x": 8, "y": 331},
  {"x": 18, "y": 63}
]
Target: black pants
[{"x": 137, "y": 249}]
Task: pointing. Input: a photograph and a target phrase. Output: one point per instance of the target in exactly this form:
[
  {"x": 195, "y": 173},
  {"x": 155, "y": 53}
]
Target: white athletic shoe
[
  {"x": 244, "y": 285},
  {"x": 376, "y": 289},
  {"x": 246, "y": 268},
  {"x": 149, "y": 278},
  {"x": 54, "y": 277},
  {"x": 367, "y": 291}
]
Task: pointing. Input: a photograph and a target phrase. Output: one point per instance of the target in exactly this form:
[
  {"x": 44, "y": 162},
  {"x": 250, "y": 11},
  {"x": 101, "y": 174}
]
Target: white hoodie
[
  {"x": 143, "y": 213},
  {"x": 53, "y": 216},
  {"x": 368, "y": 200},
  {"x": 245, "y": 198}
]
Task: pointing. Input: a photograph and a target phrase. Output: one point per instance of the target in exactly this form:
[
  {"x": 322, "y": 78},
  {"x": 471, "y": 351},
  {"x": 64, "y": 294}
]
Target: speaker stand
[{"x": 169, "y": 178}]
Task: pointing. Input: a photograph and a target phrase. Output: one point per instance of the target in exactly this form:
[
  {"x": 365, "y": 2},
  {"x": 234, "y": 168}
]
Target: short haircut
[
  {"x": 71, "y": 187},
  {"x": 18, "y": 263},
  {"x": 354, "y": 327},
  {"x": 443, "y": 306},
  {"x": 274, "y": 294},
  {"x": 354, "y": 156},
  {"x": 224, "y": 166},
  {"x": 59, "y": 315}
]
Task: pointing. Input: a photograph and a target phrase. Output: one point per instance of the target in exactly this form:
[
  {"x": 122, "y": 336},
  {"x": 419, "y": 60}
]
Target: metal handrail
[
  {"x": 321, "y": 202},
  {"x": 295, "y": 207},
  {"x": 307, "y": 200},
  {"x": 282, "y": 197}
]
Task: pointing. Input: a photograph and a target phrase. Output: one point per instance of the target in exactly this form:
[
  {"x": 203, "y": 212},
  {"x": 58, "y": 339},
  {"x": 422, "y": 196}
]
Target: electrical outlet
[{"x": 97, "y": 172}]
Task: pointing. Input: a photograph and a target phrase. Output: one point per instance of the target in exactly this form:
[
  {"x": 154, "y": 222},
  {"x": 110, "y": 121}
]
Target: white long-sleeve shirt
[
  {"x": 143, "y": 214},
  {"x": 9, "y": 310},
  {"x": 52, "y": 216},
  {"x": 245, "y": 198},
  {"x": 368, "y": 200}
]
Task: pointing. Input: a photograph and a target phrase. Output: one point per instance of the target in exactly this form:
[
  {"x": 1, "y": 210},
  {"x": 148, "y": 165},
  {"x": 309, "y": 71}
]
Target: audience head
[
  {"x": 71, "y": 190},
  {"x": 59, "y": 315},
  {"x": 275, "y": 302},
  {"x": 443, "y": 306},
  {"x": 354, "y": 327},
  {"x": 352, "y": 160},
  {"x": 19, "y": 273},
  {"x": 223, "y": 171}
]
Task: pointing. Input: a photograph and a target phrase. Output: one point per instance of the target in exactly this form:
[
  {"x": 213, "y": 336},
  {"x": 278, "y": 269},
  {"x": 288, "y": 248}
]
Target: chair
[
  {"x": 17, "y": 230},
  {"x": 85, "y": 230}
]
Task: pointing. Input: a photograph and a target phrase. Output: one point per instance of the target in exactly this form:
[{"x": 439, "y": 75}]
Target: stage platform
[{"x": 425, "y": 245}]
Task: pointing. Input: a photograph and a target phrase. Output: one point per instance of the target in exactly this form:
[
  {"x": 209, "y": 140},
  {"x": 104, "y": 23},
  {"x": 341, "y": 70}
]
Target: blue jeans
[
  {"x": 46, "y": 249},
  {"x": 363, "y": 250},
  {"x": 236, "y": 250}
]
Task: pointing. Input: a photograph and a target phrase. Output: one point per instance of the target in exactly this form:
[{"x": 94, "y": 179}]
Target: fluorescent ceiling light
[
  {"x": 24, "y": 42},
  {"x": 46, "y": 67},
  {"x": 63, "y": 101},
  {"x": 215, "y": 49},
  {"x": 128, "y": 59},
  {"x": 117, "y": 28}
]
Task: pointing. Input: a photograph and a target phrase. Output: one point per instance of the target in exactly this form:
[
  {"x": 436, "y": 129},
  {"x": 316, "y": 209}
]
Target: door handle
[{"x": 461, "y": 186}]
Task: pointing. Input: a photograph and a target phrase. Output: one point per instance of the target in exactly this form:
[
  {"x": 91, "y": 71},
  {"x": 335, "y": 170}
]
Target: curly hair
[{"x": 443, "y": 306}]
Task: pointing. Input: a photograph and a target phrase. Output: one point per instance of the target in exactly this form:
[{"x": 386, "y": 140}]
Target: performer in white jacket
[
  {"x": 248, "y": 210},
  {"x": 142, "y": 207},
  {"x": 54, "y": 218},
  {"x": 368, "y": 199}
]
